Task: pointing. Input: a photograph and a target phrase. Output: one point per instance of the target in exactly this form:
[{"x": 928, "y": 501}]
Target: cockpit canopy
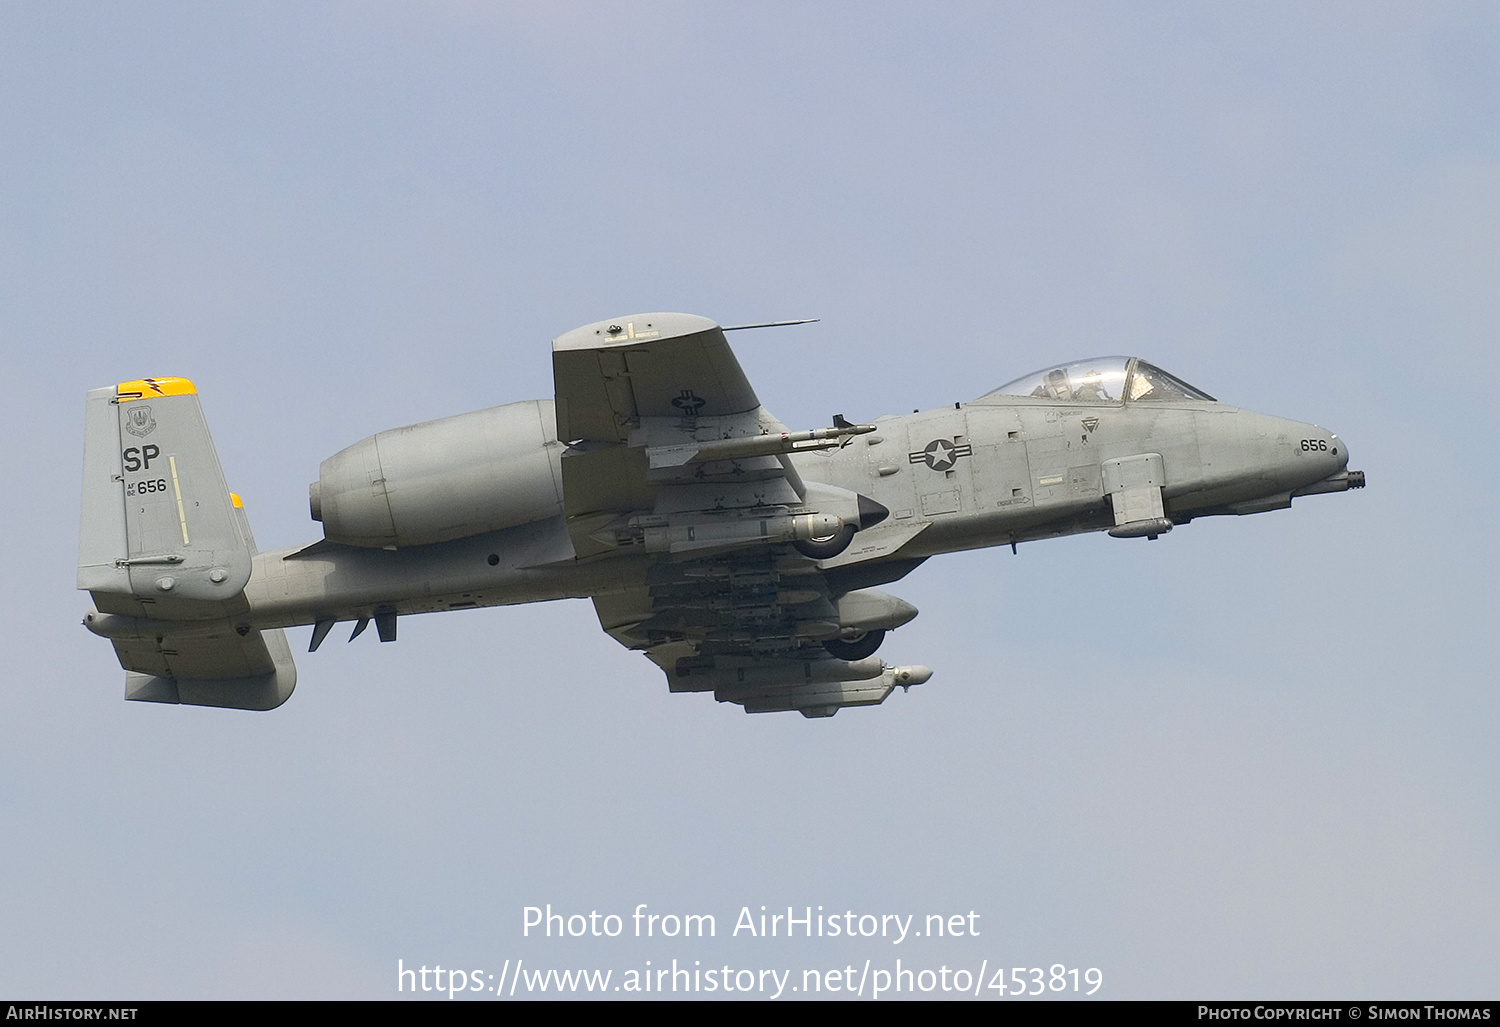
[{"x": 1104, "y": 380}]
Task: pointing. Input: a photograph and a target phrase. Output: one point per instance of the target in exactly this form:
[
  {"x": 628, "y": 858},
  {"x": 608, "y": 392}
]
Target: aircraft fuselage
[{"x": 998, "y": 471}]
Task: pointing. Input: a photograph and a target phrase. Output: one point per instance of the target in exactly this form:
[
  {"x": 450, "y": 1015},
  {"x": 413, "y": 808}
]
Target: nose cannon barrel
[{"x": 1340, "y": 482}]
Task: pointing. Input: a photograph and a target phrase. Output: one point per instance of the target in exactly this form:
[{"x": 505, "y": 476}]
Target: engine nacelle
[{"x": 442, "y": 480}]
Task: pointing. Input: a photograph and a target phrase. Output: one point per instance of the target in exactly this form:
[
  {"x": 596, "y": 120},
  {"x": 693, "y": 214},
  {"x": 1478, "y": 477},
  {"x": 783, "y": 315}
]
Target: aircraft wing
[
  {"x": 672, "y": 459},
  {"x": 612, "y": 374},
  {"x": 634, "y": 399}
]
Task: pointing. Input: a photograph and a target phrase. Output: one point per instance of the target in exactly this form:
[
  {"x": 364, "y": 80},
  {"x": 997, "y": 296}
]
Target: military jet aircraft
[{"x": 739, "y": 556}]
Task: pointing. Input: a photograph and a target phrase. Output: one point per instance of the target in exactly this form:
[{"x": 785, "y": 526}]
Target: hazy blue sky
[{"x": 1255, "y": 758}]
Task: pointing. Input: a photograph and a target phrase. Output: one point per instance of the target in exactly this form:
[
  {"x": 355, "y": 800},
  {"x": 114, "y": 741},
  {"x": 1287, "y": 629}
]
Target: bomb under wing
[{"x": 743, "y": 558}]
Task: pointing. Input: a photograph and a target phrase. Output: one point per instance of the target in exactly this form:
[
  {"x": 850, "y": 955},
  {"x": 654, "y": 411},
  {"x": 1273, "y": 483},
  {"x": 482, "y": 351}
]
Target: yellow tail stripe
[{"x": 145, "y": 388}]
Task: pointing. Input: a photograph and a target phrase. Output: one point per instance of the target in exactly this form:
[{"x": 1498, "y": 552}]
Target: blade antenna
[{"x": 770, "y": 324}]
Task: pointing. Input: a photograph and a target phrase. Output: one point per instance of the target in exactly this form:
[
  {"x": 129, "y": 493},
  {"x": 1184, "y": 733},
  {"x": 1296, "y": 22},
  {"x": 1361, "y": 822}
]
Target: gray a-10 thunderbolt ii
[{"x": 741, "y": 557}]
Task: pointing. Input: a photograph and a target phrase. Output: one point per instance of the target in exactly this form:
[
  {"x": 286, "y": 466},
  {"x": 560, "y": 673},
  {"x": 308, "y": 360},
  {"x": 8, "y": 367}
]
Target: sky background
[{"x": 1253, "y": 759}]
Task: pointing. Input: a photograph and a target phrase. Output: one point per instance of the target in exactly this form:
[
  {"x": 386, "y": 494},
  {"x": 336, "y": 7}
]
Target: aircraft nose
[
  {"x": 1318, "y": 452},
  {"x": 1332, "y": 464},
  {"x": 1278, "y": 456},
  {"x": 1339, "y": 451},
  {"x": 1302, "y": 454}
]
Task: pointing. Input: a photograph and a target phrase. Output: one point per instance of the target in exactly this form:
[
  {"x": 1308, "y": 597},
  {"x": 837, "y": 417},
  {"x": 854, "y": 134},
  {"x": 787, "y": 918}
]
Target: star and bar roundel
[{"x": 941, "y": 454}]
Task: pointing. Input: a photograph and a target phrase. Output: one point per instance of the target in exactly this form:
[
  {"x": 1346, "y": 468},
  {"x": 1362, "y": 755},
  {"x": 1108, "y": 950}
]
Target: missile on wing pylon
[{"x": 755, "y": 445}]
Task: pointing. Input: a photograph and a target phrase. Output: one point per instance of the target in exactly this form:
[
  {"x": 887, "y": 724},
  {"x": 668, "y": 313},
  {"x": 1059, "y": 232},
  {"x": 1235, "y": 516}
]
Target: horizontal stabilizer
[{"x": 266, "y": 681}]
